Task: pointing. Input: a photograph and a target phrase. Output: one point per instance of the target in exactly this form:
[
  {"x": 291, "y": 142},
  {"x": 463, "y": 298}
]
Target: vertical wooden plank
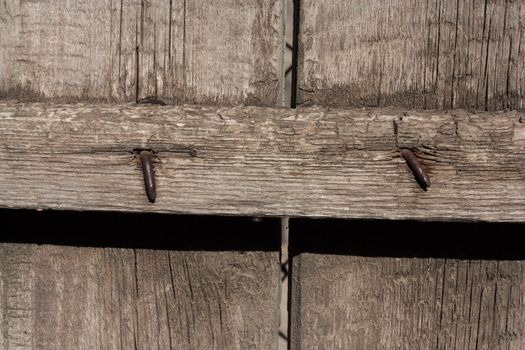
[
  {"x": 68, "y": 50},
  {"x": 403, "y": 288},
  {"x": 223, "y": 52},
  {"x": 415, "y": 54},
  {"x": 108, "y": 285}
]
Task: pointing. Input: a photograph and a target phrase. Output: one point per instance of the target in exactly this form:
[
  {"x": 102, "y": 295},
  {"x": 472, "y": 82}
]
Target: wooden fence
[{"x": 443, "y": 78}]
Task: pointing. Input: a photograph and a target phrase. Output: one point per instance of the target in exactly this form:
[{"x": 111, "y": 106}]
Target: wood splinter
[
  {"x": 419, "y": 173},
  {"x": 146, "y": 158}
]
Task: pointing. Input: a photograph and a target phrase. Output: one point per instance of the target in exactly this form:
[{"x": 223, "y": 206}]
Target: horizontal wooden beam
[{"x": 264, "y": 161}]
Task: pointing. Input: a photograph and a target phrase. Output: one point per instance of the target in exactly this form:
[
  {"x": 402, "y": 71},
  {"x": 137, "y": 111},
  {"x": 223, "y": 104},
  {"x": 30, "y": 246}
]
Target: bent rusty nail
[
  {"x": 419, "y": 173},
  {"x": 146, "y": 158}
]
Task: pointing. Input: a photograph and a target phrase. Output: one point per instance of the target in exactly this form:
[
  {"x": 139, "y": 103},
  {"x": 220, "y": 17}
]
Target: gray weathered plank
[
  {"x": 384, "y": 298},
  {"x": 264, "y": 161},
  {"x": 214, "y": 52},
  {"x": 68, "y": 49},
  {"x": 122, "y": 50},
  {"x": 414, "y": 54},
  {"x": 355, "y": 303},
  {"x": 70, "y": 297}
]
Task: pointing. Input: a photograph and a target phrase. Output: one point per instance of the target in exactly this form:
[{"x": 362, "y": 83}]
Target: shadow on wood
[
  {"x": 144, "y": 231},
  {"x": 383, "y": 238}
]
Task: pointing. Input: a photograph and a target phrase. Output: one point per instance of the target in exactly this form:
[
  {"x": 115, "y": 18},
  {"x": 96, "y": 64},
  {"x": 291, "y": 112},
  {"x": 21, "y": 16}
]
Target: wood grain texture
[
  {"x": 68, "y": 50},
  {"x": 377, "y": 299},
  {"x": 369, "y": 303},
  {"x": 264, "y": 161},
  {"x": 413, "y": 54},
  {"x": 90, "y": 297},
  {"x": 227, "y": 52}
]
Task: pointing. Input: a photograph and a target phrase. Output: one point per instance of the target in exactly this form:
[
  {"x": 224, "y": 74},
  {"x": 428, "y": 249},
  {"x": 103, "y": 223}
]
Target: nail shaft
[
  {"x": 419, "y": 173},
  {"x": 146, "y": 158}
]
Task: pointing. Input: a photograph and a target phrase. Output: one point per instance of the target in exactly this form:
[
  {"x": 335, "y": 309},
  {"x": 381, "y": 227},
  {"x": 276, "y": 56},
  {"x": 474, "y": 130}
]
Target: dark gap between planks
[
  {"x": 141, "y": 231},
  {"x": 383, "y": 238},
  {"x": 295, "y": 52}
]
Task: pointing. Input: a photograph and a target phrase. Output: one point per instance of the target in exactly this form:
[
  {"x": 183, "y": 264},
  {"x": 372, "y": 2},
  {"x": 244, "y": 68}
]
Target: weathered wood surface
[
  {"x": 264, "y": 161},
  {"x": 163, "y": 297},
  {"x": 397, "y": 290},
  {"x": 137, "y": 282},
  {"x": 224, "y": 51},
  {"x": 413, "y": 54}
]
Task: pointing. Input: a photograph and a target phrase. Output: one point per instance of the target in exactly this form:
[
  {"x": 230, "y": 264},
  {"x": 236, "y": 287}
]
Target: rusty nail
[
  {"x": 419, "y": 173},
  {"x": 146, "y": 158}
]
